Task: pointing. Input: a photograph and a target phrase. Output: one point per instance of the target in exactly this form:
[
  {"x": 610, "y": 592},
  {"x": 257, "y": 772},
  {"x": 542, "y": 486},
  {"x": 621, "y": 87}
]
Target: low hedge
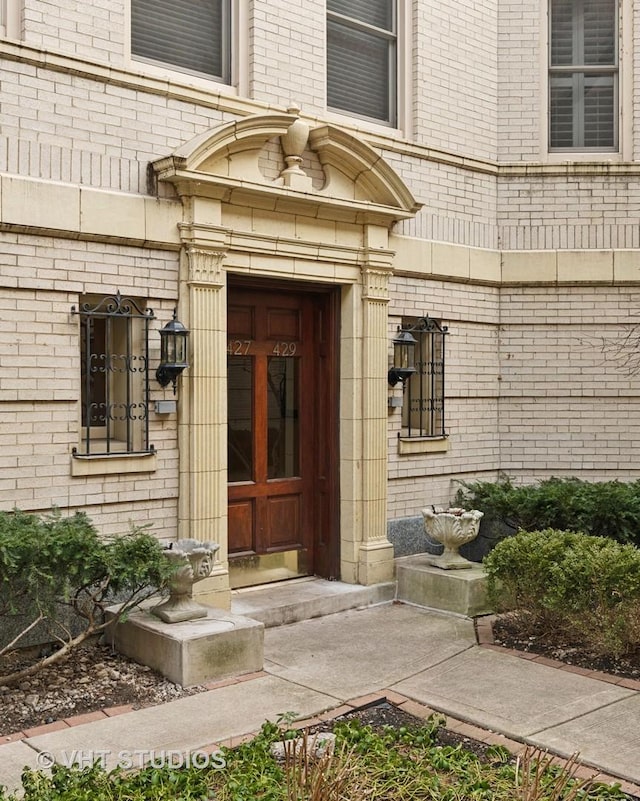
[
  {"x": 564, "y": 582},
  {"x": 602, "y": 509},
  {"x": 57, "y": 577}
]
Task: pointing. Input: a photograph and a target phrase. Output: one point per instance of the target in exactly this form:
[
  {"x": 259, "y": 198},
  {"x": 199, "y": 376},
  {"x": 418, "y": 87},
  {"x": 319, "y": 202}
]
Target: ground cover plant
[
  {"x": 405, "y": 763},
  {"x": 606, "y": 509},
  {"x": 564, "y": 583},
  {"x": 57, "y": 576}
]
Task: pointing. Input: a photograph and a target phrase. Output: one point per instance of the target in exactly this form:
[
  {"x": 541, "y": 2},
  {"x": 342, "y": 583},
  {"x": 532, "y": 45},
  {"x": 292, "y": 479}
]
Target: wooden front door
[{"x": 282, "y": 433}]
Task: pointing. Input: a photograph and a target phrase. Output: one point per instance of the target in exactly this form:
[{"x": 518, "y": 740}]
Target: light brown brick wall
[{"x": 40, "y": 385}]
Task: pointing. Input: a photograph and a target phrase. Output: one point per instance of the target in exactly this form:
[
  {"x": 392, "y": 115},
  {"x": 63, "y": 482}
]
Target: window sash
[
  {"x": 583, "y": 111},
  {"x": 362, "y": 58},
  {"x": 583, "y": 75},
  {"x": 192, "y": 36}
]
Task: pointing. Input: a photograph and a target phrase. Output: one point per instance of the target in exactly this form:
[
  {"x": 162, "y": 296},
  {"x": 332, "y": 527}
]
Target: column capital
[
  {"x": 205, "y": 266},
  {"x": 375, "y": 283}
]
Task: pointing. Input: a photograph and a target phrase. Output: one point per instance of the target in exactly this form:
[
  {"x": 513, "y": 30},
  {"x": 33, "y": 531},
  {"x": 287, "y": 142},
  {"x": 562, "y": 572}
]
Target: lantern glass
[
  {"x": 180, "y": 345},
  {"x": 404, "y": 347},
  {"x": 173, "y": 346}
]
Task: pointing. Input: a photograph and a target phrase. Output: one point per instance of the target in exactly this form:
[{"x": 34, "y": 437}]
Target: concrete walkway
[{"x": 420, "y": 659}]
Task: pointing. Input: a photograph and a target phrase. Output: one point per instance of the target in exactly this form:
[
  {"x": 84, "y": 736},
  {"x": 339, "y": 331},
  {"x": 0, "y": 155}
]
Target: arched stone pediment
[{"x": 224, "y": 163}]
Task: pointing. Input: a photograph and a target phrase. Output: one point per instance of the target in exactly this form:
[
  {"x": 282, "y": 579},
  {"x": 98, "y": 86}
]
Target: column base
[
  {"x": 214, "y": 591},
  {"x": 376, "y": 563}
]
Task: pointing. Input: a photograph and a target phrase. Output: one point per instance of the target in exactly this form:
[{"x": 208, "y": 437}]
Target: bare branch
[
  {"x": 18, "y": 675},
  {"x": 5, "y": 649},
  {"x": 621, "y": 350}
]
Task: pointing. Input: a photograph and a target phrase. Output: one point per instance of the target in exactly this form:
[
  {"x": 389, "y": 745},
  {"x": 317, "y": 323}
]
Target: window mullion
[
  {"x": 108, "y": 368},
  {"x": 432, "y": 385},
  {"x": 145, "y": 443},
  {"x": 129, "y": 362},
  {"x": 578, "y": 34},
  {"x": 577, "y": 90},
  {"x": 88, "y": 355}
]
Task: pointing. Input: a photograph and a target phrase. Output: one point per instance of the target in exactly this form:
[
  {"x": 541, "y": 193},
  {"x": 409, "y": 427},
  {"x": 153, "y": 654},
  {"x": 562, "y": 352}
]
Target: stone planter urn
[
  {"x": 451, "y": 528},
  {"x": 193, "y": 562}
]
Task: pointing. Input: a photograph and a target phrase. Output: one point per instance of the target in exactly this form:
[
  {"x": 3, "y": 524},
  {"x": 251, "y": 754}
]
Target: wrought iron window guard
[
  {"x": 115, "y": 376},
  {"x": 424, "y": 398}
]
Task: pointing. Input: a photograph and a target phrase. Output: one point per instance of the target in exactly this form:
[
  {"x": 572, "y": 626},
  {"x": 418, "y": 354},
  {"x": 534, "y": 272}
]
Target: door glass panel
[
  {"x": 282, "y": 416},
  {"x": 240, "y": 382}
]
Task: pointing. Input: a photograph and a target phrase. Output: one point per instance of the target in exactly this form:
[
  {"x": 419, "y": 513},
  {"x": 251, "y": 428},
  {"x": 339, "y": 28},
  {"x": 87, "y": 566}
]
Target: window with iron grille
[
  {"x": 362, "y": 58},
  {"x": 583, "y": 75},
  {"x": 189, "y": 35},
  {"x": 423, "y": 411},
  {"x": 114, "y": 373}
]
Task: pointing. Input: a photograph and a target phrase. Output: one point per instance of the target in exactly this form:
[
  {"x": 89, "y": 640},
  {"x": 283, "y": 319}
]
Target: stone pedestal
[
  {"x": 193, "y": 652},
  {"x": 463, "y": 592}
]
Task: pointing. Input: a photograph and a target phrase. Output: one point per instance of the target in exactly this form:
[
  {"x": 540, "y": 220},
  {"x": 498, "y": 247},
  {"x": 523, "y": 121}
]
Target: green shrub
[
  {"x": 602, "y": 509},
  {"x": 586, "y": 587},
  {"x": 59, "y": 574},
  {"x": 387, "y": 764}
]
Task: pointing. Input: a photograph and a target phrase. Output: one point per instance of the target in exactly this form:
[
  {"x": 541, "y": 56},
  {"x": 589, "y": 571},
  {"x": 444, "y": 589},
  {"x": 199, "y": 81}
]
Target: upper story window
[
  {"x": 114, "y": 373},
  {"x": 189, "y": 35},
  {"x": 423, "y": 399},
  {"x": 583, "y": 75},
  {"x": 10, "y": 19},
  {"x": 362, "y": 58}
]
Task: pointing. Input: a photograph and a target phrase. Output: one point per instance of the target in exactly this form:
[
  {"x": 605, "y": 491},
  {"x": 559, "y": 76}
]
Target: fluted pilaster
[
  {"x": 204, "y": 460},
  {"x": 376, "y": 552}
]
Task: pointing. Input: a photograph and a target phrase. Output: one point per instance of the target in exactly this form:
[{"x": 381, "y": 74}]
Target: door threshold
[{"x": 274, "y": 584}]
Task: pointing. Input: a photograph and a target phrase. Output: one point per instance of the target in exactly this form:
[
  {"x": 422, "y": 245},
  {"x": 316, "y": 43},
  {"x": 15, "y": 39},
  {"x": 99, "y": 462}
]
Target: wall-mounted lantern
[
  {"x": 404, "y": 346},
  {"x": 173, "y": 352}
]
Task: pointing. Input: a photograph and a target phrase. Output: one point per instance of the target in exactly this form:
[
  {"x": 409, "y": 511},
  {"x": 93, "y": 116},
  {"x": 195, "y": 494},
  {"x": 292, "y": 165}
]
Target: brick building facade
[{"x": 485, "y": 177}]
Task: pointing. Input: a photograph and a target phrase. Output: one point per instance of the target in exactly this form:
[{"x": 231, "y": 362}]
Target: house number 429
[{"x": 284, "y": 349}]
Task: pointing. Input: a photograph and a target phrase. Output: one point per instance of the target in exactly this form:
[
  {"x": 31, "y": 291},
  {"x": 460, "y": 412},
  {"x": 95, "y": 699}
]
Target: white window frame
[
  {"x": 403, "y": 83},
  {"x": 238, "y": 43},
  {"x": 10, "y": 12},
  {"x": 624, "y": 93}
]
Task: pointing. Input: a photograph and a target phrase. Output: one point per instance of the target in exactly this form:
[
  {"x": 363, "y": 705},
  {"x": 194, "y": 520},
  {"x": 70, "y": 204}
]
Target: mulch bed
[{"x": 508, "y": 632}]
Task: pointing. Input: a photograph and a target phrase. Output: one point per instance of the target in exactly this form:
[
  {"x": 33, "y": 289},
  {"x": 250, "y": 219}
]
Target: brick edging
[
  {"x": 484, "y": 637},
  {"x": 109, "y": 712}
]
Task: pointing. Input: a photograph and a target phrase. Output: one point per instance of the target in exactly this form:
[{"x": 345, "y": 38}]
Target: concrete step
[{"x": 300, "y": 599}]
